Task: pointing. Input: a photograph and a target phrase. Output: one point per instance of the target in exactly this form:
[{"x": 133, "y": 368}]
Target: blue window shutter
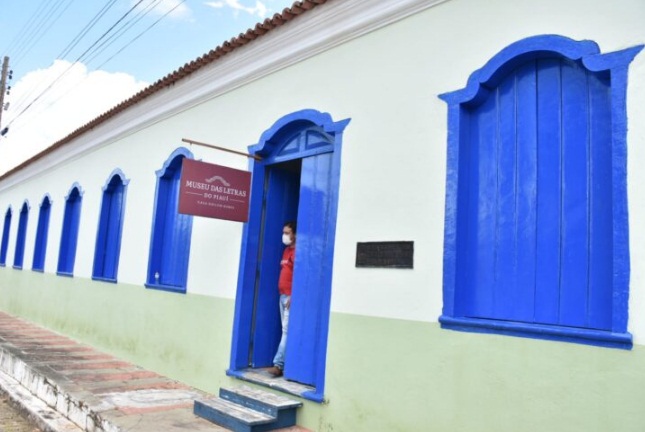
[
  {"x": 20, "y": 239},
  {"x": 171, "y": 233},
  {"x": 69, "y": 236},
  {"x": 535, "y": 234},
  {"x": 506, "y": 242},
  {"x": 5, "y": 237},
  {"x": 108, "y": 238},
  {"x": 42, "y": 230}
]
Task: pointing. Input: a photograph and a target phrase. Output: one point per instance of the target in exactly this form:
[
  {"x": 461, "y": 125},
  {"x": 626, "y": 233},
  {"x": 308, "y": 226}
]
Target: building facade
[{"x": 465, "y": 177}]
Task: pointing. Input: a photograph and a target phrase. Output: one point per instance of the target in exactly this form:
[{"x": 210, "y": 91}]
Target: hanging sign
[{"x": 214, "y": 191}]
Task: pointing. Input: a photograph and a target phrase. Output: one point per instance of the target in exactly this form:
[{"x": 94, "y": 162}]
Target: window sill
[
  {"x": 66, "y": 274},
  {"x": 17, "y": 267},
  {"x": 539, "y": 331},
  {"x": 38, "y": 270},
  {"x": 102, "y": 279},
  {"x": 170, "y": 288}
]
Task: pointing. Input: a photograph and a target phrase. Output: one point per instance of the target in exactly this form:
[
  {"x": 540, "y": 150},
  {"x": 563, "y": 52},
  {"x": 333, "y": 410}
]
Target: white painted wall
[{"x": 394, "y": 149}]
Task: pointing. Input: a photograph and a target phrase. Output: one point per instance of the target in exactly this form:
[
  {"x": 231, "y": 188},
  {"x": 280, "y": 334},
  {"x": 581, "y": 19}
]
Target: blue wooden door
[
  {"x": 306, "y": 343},
  {"x": 280, "y": 205},
  {"x": 539, "y": 234}
]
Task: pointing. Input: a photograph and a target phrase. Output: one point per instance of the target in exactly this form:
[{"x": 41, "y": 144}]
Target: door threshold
[{"x": 263, "y": 378}]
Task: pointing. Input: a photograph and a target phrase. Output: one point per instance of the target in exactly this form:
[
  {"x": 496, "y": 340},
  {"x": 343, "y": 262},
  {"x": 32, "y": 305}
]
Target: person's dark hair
[{"x": 292, "y": 225}]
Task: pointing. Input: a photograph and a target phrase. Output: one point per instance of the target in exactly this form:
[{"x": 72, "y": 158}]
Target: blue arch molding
[
  {"x": 116, "y": 172},
  {"x": 298, "y": 135},
  {"x": 480, "y": 84},
  {"x": 321, "y": 128},
  {"x": 171, "y": 231}
]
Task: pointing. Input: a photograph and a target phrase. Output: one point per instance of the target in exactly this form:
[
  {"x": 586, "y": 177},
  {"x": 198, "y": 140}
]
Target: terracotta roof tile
[{"x": 297, "y": 9}]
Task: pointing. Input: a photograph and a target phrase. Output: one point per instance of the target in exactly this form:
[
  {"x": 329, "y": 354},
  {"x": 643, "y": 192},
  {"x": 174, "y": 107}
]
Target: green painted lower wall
[
  {"x": 394, "y": 375},
  {"x": 186, "y": 337},
  {"x": 382, "y": 374}
]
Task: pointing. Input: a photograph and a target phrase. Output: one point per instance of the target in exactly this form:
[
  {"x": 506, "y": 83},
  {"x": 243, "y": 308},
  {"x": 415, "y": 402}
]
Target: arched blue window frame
[
  {"x": 108, "y": 237},
  {"x": 42, "y": 231},
  {"x": 171, "y": 231},
  {"x": 69, "y": 235},
  {"x": 5, "y": 237},
  {"x": 459, "y": 292},
  {"x": 19, "y": 254}
]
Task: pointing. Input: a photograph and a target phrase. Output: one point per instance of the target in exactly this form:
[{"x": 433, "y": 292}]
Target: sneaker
[{"x": 275, "y": 371}]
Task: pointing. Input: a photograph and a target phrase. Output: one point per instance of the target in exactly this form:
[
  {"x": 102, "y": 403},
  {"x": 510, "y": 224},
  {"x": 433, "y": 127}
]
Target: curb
[{"x": 46, "y": 418}]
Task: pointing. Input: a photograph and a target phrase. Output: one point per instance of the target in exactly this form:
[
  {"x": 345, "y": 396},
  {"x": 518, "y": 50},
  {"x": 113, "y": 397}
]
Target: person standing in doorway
[{"x": 285, "y": 283}]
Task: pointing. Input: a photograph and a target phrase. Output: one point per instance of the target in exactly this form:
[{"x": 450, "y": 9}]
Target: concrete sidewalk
[{"x": 69, "y": 387}]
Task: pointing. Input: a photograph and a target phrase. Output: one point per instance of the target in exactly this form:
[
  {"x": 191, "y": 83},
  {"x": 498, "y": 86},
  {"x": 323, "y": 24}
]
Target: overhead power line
[
  {"x": 109, "y": 37},
  {"x": 40, "y": 28},
  {"x": 58, "y": 78},
  {"x": 86, "y": 29}
]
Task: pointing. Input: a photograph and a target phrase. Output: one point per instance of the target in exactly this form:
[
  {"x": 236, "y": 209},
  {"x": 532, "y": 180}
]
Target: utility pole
[{"x": 3, "y": 86}]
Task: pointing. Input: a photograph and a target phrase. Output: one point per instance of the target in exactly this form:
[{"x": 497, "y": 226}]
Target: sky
[{"x": 72, "y": 60}]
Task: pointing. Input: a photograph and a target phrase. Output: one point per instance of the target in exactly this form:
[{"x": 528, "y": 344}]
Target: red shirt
[{"x": 286, "y": 270}]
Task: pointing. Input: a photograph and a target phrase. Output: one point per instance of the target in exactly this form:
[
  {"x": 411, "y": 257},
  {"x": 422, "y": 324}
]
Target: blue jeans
[{"x": 278, "y": 360}]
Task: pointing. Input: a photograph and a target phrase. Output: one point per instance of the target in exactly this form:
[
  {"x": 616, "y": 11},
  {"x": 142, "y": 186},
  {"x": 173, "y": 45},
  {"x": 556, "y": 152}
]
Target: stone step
[
  {"x": 245, "y": 409},
  {"x": 259, "y": 400},
  {"x": 233, "y": 416}
]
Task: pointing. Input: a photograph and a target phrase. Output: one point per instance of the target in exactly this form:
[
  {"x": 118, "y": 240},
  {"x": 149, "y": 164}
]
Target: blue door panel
[
  {"x": 483, "y": 201},
  {"x": 99, "y": 253},
  {"x": 600, "y": 229},
  {"x": 281, "y": 205},
  {"x": 168, "y": 273},
  {"x": 109, "y": 236},
  {"x": 113, "y": 232},
  {"x": 575, "y": 196},
  {"x": 69, "y": 236},
  {"x": 158, "y": 233},
  {"x": 504, "y": 169},
  {"x": 311, "y": 270},
  {"x": 466, "y": 278},
  {"x": 523, "y": 304},
  {"x": 42, "y": 231},
  {"x": 20, "y": 239},
  {"x": 549, "y": 204},
  {"x": 5, "y": 237}
]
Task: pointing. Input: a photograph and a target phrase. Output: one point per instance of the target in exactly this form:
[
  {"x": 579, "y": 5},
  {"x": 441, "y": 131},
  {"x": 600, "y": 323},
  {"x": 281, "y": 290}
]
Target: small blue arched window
[
  {"x": 5, "y": 237},
  {"x": 19, "y": 254},
  {"x": 69, "y": 236},
  {"x": 536, "y": 224},
  {"x": 171, "y": 231},
  {"x": 40, "y": 247},
  {"x": 108, "y": 238}
]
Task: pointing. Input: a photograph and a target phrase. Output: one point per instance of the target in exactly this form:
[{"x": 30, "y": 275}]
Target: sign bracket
[{"x": 186, "y": 140}]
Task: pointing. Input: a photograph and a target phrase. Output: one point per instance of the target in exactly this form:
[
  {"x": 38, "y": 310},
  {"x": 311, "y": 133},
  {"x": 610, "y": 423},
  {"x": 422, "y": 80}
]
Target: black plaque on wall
[{"x": 391, "y": 254}]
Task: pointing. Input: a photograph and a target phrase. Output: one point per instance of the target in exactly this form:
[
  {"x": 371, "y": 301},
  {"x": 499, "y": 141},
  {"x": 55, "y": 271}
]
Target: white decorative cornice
[{"x": 319, "y": 30}]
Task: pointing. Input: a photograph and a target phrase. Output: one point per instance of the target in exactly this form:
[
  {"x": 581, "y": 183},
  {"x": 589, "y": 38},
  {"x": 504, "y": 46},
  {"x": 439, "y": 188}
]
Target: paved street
[{"x": 11, "y": 420}]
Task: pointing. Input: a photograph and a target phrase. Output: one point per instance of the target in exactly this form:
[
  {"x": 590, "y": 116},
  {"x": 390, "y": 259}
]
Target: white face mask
[{"x": 286, "y": 239}]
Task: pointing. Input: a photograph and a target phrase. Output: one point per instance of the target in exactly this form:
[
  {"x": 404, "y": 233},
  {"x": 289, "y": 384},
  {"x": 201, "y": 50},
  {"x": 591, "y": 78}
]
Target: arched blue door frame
[
  {"x": 458, "y": 218},
  {"x": 274, "y": 149}
]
